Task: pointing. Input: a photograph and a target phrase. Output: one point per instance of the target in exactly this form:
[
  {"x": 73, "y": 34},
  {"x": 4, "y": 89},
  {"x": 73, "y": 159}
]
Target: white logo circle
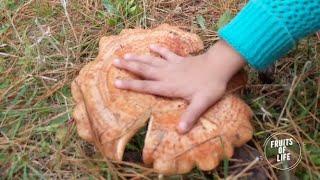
[{"x": 282, "y": 151}]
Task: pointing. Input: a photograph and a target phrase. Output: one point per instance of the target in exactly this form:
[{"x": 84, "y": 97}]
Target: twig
[
  {"x": 293, "y": 86},
  {"x": 6, "y": 55},
  {"x": 64, "y": 5},
  {"x": 244, "y": 170}
]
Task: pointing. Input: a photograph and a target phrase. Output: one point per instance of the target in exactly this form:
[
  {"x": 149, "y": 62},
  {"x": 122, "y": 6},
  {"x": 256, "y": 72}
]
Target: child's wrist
[{"x": 224, "y": 59}]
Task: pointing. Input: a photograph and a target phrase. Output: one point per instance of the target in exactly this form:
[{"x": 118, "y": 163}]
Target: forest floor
[{"x": 44, "y": 44}]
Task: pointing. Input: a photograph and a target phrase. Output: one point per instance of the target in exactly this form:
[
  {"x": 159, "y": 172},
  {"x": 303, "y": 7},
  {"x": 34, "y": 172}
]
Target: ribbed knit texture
[{"x": 265, "y": 30}]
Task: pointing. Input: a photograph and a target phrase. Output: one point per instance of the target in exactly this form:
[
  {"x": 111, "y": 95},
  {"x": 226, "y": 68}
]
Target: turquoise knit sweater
[{"x": 265, "y": 30}]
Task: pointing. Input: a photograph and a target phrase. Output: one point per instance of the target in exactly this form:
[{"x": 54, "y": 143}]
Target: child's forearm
[{"x": 265, "y": 30}]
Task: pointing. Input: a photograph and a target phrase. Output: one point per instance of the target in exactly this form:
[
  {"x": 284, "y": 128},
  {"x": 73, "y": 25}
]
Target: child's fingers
[
  {"x": 196, "y": 108},
  {"x": 136, "y": 67},
  {"x": 151, "y": 60},
  {"x": 164, "y": 52},
  {"x": 143, "y": 86}
]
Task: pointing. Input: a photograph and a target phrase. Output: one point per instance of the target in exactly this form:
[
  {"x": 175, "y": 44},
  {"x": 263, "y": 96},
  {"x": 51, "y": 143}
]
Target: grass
[{"x": 44, "y": 44}]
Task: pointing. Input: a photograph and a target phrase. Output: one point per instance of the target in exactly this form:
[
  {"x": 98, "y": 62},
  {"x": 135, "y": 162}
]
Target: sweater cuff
[{"x": 259, "y": 36}]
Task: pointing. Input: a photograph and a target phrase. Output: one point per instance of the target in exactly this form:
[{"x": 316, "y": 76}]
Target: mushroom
[{"x": 109, "y": 117}]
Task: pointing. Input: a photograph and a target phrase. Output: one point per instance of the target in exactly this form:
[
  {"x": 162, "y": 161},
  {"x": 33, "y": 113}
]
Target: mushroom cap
[
  {"x": 109, "y": 117},
  {"x": 213, "y": 137}
]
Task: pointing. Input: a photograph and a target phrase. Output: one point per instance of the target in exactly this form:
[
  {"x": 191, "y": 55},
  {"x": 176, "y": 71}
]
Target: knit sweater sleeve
[{"x": 265, "y": 30}]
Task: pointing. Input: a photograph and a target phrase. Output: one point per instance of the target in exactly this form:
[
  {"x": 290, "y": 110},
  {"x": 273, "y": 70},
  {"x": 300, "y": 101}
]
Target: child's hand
[{"x": 201, "y": 80}]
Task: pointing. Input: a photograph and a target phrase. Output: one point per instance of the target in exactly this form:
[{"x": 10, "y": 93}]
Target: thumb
[{"x": 193, "y": 112}]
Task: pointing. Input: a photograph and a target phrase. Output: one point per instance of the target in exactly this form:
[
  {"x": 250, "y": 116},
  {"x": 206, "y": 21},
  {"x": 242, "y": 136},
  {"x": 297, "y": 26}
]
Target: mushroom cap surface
[{"x": 109, "y": 117}]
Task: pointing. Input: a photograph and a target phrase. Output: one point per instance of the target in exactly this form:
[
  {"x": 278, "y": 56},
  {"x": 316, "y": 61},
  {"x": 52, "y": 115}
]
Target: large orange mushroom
[{"x": 109, "y": 117}]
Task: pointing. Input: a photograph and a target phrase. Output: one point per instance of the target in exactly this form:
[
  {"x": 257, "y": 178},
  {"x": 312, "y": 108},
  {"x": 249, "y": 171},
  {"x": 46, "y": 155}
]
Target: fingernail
[
  {"x": 118, "y": 83},
  {"x": 183, "y": 127},
  {"x": 127, "y": 56},
  {"x": 153, "y": 46},
  {"x": 116, "y": 62}
]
